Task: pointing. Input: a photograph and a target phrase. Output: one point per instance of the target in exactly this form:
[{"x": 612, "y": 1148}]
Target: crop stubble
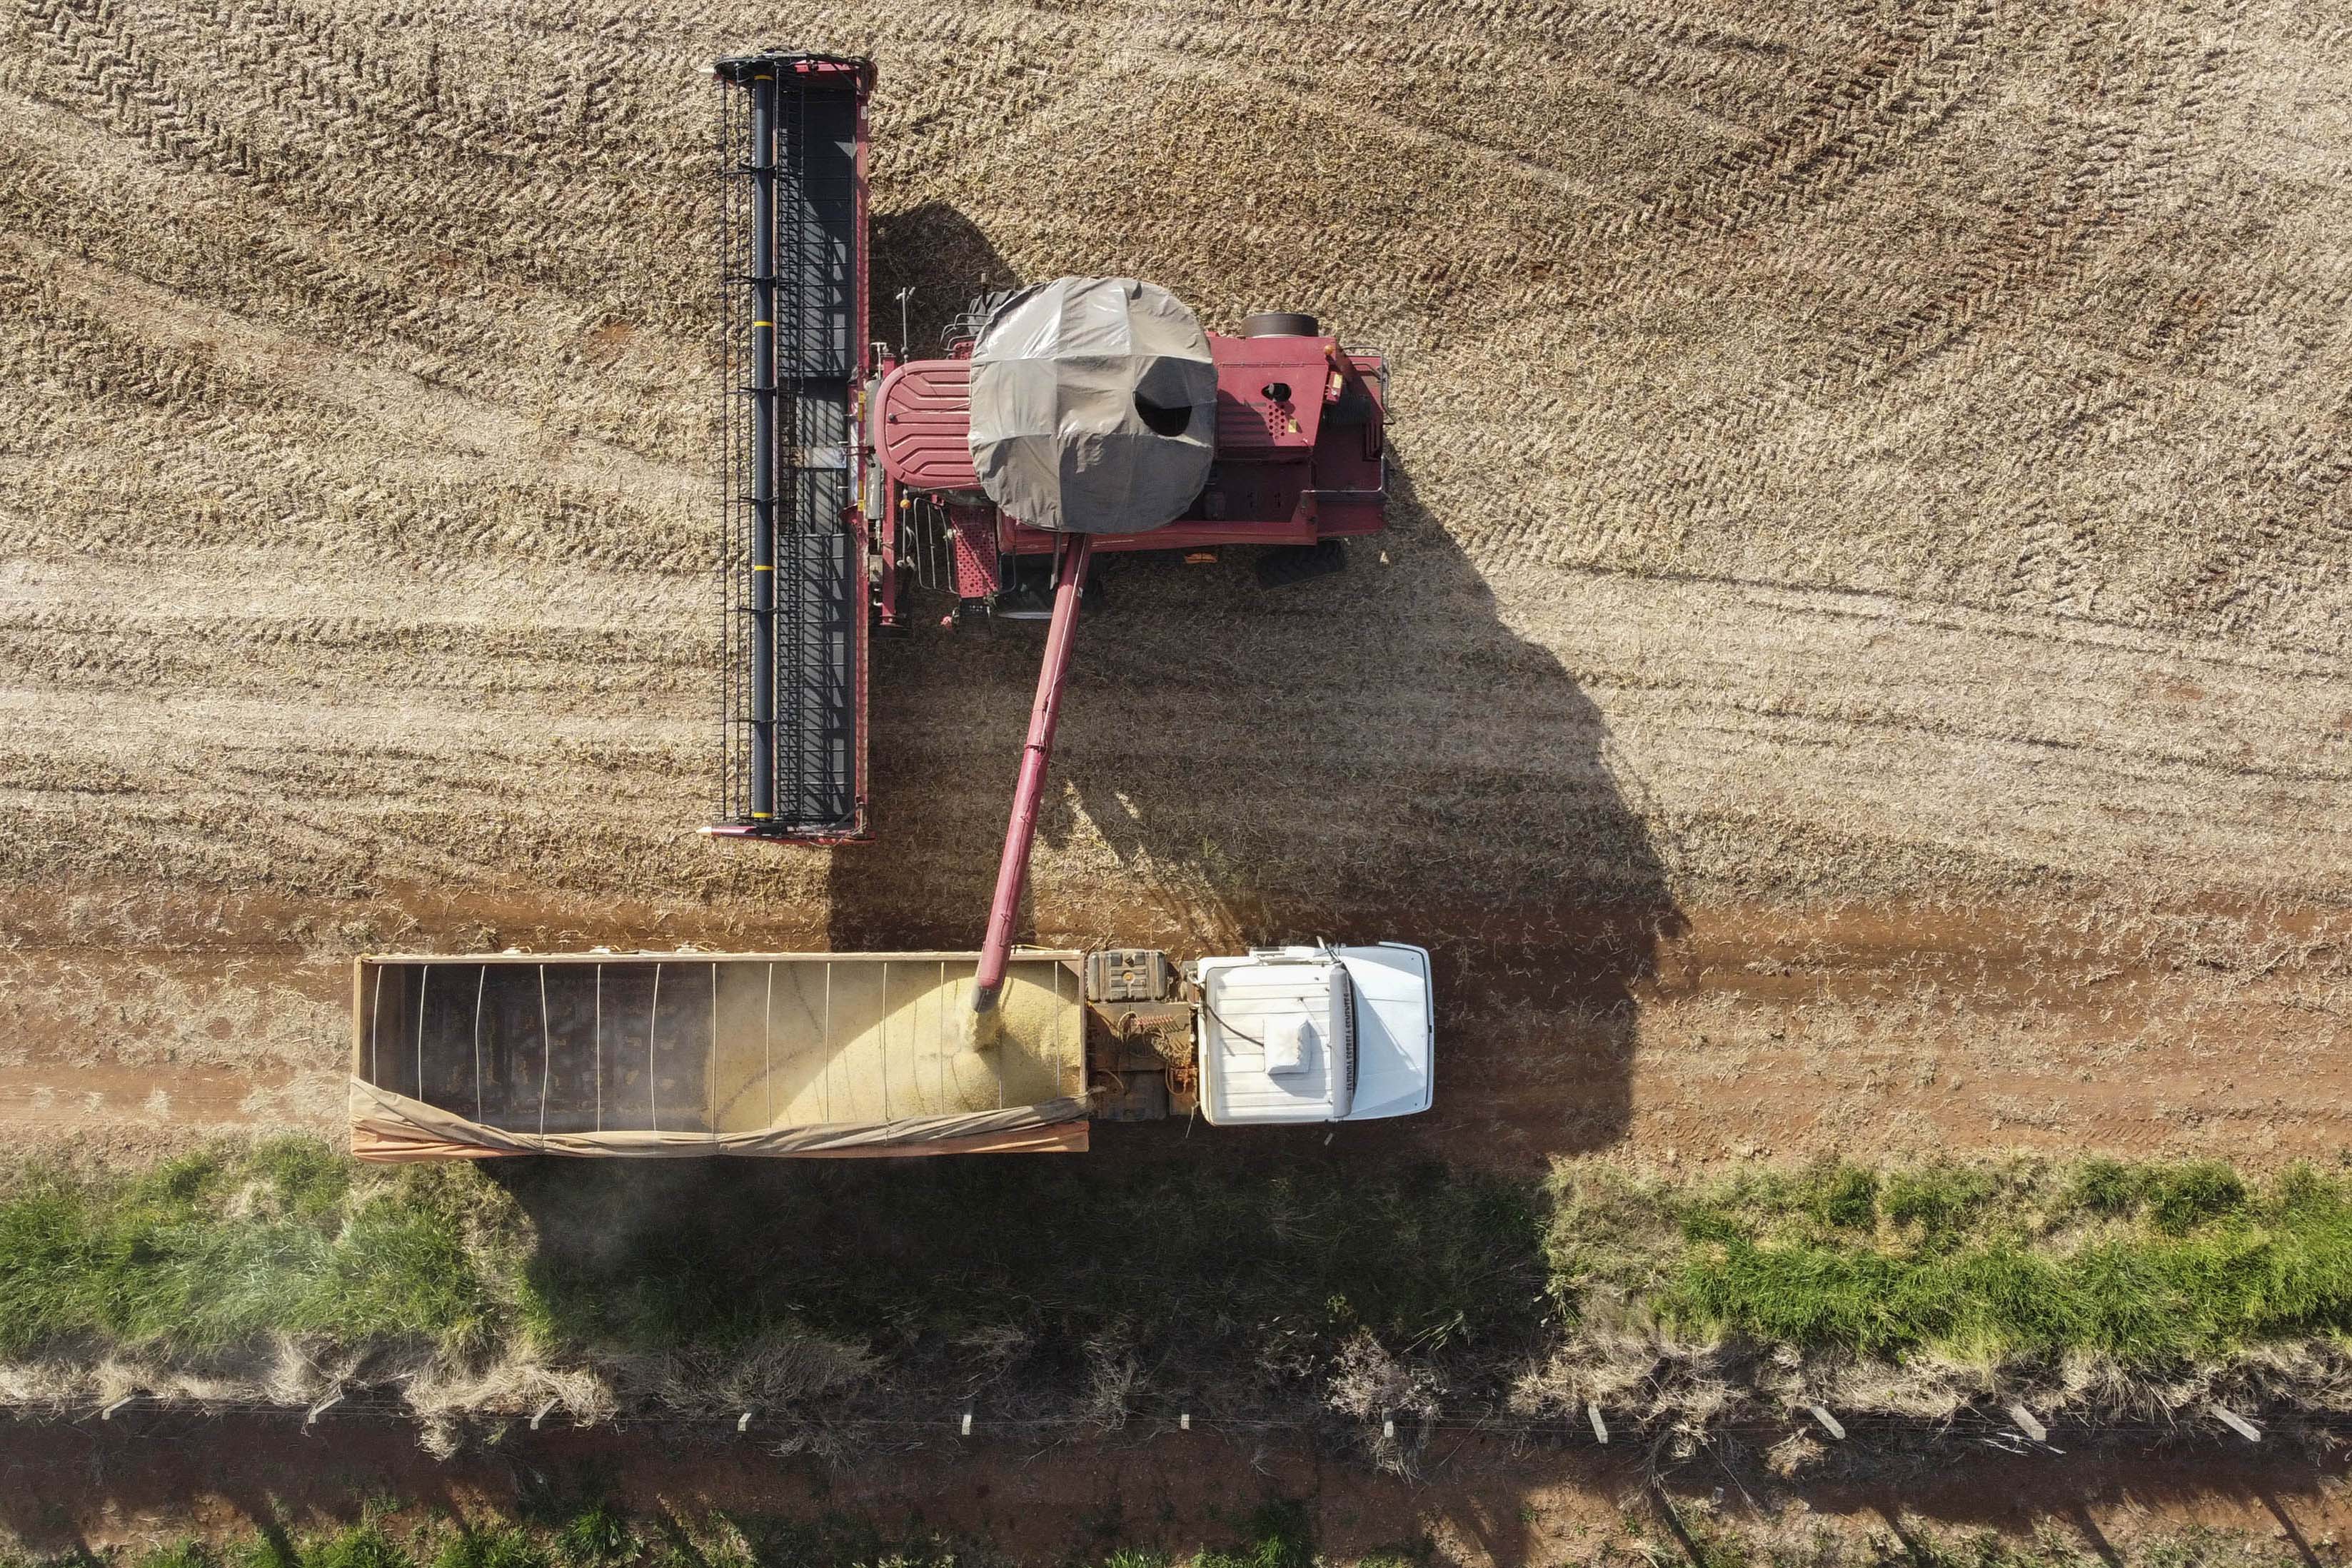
[{"x": 1859, "y": 658}]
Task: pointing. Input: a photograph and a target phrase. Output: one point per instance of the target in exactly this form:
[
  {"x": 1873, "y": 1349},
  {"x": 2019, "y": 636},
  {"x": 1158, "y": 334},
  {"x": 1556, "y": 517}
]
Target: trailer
[{"x": 477, "y": 1056}]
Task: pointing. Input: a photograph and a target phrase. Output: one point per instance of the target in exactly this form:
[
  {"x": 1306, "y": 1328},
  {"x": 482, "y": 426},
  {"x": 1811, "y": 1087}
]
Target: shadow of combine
[
  {"x": 1372, "y": 755},
  {"x": 1378, "y": 756},
  {"x": 943, "y": 260}
]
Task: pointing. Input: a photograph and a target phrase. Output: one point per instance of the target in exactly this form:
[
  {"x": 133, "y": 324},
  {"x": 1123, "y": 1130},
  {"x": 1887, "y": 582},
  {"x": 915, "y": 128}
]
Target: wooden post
[
  {"x": 2028, "y": 1424},
  {"x": 1829, "y": 1421},
  {"x": 1600, "y": 1427}
]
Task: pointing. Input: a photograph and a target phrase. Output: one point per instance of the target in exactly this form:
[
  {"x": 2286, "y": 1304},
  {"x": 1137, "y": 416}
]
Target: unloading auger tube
[
  {"x": 1071, "y": 553},
  {"x": 1093, "y": 409}
]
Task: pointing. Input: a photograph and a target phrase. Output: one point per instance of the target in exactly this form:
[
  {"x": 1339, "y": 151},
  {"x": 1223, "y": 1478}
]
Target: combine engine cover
[
  {"x": 1094, "y": 406},
  {"x": 1049, "y": 420}
]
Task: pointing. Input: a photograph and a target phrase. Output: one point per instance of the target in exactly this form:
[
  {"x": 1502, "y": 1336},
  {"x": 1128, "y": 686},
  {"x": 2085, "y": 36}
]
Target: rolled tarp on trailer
[{"x": 778, "y": 1055}]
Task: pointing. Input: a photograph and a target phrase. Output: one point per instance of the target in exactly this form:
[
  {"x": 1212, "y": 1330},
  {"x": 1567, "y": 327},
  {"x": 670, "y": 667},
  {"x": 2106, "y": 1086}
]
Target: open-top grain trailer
[{"x": 478, "y": 1054}]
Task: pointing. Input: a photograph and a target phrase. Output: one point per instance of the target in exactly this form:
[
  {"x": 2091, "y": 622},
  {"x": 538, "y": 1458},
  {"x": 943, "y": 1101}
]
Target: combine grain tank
[{"x": 802, "y": 1055}]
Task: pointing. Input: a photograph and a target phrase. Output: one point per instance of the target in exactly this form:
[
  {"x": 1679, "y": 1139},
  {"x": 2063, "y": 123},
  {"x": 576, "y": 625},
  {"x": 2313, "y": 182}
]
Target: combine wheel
[{"x": 1287, "y": 563}]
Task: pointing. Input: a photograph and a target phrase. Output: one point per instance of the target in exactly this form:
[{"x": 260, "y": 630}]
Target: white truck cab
[{"x": 1316, "y": 1034}]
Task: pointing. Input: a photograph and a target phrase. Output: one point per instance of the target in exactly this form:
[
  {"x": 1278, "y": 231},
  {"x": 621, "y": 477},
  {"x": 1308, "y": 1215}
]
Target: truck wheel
[{"x": 1287, "y": 563}]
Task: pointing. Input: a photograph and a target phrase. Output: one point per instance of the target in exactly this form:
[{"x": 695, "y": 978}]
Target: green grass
[
  {"x": 1276, "y": 1535},
  {"x": 1702, "y": 1538},
  {"x": 1200, "y": 1265},
  {"x": 2154, "y": 1265},
  {"x": 1279, "y": 1535},
  {"x": 220, "y": 1247}
]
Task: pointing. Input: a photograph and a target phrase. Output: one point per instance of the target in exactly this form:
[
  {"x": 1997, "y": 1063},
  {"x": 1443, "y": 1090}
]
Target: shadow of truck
[{"x": 1242, "y": 765}]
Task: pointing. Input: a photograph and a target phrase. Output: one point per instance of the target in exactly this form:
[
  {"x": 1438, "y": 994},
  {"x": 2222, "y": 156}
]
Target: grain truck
[{"x": 474, "y": 1056}]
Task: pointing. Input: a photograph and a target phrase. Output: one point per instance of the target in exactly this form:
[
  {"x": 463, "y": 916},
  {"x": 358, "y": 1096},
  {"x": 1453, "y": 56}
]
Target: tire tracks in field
[
  {"x": 383, "y": 210},
  {"x": 391, "y": 400},
  {"x": 130, "y": 92},
  {"x": 2122, "y": 162},
  {"x": 1922, "y": 70},
  {"x": 237, "y": 792},
  {"x": 2134, "y": 177},
  {"x": 87, "y": 648},
  {"x": 1923, "y": 67}
]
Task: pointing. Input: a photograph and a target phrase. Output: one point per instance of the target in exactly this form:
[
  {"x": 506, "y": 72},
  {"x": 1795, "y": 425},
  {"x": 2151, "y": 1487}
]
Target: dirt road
[
  {"x": 152, "y": 1479},
  {"x": 1860, "y": 660}
]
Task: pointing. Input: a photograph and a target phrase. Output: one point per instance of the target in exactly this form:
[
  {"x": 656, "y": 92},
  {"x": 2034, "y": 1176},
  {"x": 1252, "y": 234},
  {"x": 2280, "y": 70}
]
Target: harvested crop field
[{"x": 1860, "y": 663}]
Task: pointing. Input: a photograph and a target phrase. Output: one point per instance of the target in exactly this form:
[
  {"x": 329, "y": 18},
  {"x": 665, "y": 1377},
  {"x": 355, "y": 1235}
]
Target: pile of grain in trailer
[{"x": 768, "y": 1054}]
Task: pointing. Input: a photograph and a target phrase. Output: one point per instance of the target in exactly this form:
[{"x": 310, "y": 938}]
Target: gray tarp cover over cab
[
  {"x": 691, "y": 1054},
  {"x": 1094, "y": 406}
]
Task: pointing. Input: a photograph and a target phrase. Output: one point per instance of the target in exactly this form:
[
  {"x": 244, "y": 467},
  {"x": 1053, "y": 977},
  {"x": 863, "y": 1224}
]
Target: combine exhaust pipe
[{"x": 1071, "y": 552}]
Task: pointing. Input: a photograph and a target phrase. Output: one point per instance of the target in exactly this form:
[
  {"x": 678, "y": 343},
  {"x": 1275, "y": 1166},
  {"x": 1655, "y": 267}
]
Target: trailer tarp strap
[{"x": 391, "y": 1127}]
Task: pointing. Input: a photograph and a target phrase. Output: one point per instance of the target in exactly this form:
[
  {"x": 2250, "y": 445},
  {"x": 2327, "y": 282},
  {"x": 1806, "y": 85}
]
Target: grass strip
[
  {"x": 2154, "y": 1265},
  {"x": 1277, "y": 1263},
  {"x": 223, "y": 1247}
]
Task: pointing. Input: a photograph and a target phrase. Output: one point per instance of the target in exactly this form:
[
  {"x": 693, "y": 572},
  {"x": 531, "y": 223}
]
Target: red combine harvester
[{"x": 1074, "y": 419}]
